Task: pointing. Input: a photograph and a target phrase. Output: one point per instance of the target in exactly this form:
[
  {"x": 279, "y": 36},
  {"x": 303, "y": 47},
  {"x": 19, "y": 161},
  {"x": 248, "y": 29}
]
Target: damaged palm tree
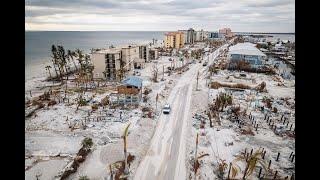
[
  {"x": 222, "y": 101},
  {"x": 251, "y": 161},
  {"x": 196, "y": 163},
  {"x": 222, "y": 166},
  {"x": 81, "y": 101},
  {"x": 124, "y": 136}
]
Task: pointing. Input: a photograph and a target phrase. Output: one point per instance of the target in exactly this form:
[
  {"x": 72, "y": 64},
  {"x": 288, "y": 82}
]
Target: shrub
[
  {"x": 87, "y": 143},
  {"x": 275, "y": 110}
]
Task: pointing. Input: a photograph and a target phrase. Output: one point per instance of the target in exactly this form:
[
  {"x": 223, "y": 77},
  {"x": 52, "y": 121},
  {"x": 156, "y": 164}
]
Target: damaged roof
[
  {"x": 246, "y": 49},
  {"x": 133, "y": 81}
]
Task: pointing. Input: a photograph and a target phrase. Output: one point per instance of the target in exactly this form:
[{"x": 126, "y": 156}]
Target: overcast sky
[{"x": 160, "y": 15}]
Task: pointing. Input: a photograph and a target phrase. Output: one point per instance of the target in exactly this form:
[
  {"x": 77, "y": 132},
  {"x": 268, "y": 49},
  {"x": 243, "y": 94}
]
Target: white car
[{"x": 166, "y": 109}]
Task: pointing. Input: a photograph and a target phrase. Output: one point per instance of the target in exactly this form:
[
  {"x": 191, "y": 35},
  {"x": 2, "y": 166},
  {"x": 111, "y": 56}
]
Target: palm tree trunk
[
  {"x": 125, "y": 154},
  {"x": 60, "y": 72},
  {"x": 245, "y": 171}
]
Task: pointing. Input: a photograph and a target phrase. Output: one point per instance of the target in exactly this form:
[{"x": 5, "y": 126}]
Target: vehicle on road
[
  {"x": 166, "y": 109},
  {"x": 136, "y": 73},
  {"x": 204, "y": 64}
]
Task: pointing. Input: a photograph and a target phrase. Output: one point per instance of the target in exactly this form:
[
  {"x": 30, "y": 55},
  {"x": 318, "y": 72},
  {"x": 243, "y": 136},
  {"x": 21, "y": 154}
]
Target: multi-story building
[
  {"x": 214, "y": 35},
  {"x": 205, "y": 35},
  {"x": 201, "y": 35},
  {"x": 226, "y": 32},
  {"x": 153, "y": 54},
  {"x": 106, "y": 63},
  {"x": 185, "y": 33},
  {"x": 129, "y": 53},
  {"x": 191, "y": 36},
  {"x": 174, "y": 40},
  {"x": 144, "y": 52}
]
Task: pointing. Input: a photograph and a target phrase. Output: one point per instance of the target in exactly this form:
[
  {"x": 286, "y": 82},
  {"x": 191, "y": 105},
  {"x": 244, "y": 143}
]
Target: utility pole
[
  {"x": 163, "y": 72},
  {"x": 157, "y": 97},
  {"x": 197, "y": 80},
  {"x": 195, "y": 158}
]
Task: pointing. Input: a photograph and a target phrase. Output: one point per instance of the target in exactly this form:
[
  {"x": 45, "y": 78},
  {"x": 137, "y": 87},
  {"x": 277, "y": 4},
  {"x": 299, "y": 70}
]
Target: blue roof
[{"x": 133, "y": 81}]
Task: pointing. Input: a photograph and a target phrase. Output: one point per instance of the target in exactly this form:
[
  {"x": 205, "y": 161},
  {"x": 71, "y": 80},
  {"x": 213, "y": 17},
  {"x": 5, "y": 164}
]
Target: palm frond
[{"x": 125, "y": 133}]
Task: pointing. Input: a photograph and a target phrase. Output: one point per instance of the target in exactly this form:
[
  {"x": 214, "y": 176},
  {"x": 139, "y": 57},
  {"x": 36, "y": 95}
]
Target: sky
[{"x": 160, "y": 15}]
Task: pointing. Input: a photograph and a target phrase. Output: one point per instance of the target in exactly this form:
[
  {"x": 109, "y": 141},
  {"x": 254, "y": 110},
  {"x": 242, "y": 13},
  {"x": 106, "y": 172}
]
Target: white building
[{"x": 201, "y": 35}]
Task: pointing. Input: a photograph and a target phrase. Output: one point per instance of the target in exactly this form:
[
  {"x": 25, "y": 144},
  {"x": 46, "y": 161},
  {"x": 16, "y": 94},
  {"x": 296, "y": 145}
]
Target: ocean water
[{"x": 38, "y": 44}]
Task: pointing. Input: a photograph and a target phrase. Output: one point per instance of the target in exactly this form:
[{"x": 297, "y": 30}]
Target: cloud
[{"x": 244, "y": 15}]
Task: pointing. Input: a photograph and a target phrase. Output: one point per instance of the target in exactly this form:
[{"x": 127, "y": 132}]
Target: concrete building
[
  {"x": 174, "y": 40},
  {"x": 153, "y": 54},
  {"x": 106, "y": 63},
  {"x": 247, "y": 52},
  {"x": 191, "y": 36},
  {"x": 206, "y": 35},
  {"x": 213, "y": 35},
  {"x": 226, "y": 32},
  {"x": 185, "y": 32},
  {"x": 201, "y": 35},
  {"x": 129, "y": 53},
  {"x": 134, "y": 56},
  {"x": 144, "y": 52}
]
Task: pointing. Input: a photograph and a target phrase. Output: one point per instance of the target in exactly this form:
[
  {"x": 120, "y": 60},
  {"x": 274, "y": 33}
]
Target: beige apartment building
[
  {"x": 174, "y": 40},
  {"x": 109, "y": 62},
  {"x": 129, "y": 54},
  {"x": 106, "y": 63}
]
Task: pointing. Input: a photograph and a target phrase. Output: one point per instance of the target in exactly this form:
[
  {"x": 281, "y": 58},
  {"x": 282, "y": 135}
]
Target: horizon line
[{"x": 148, "y": 31}]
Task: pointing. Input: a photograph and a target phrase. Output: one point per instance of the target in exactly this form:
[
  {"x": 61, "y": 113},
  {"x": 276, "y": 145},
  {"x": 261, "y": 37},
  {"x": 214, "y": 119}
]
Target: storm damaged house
[
  {"x": 247, "y": 52},
  {"x": 129, "y": 92}
]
